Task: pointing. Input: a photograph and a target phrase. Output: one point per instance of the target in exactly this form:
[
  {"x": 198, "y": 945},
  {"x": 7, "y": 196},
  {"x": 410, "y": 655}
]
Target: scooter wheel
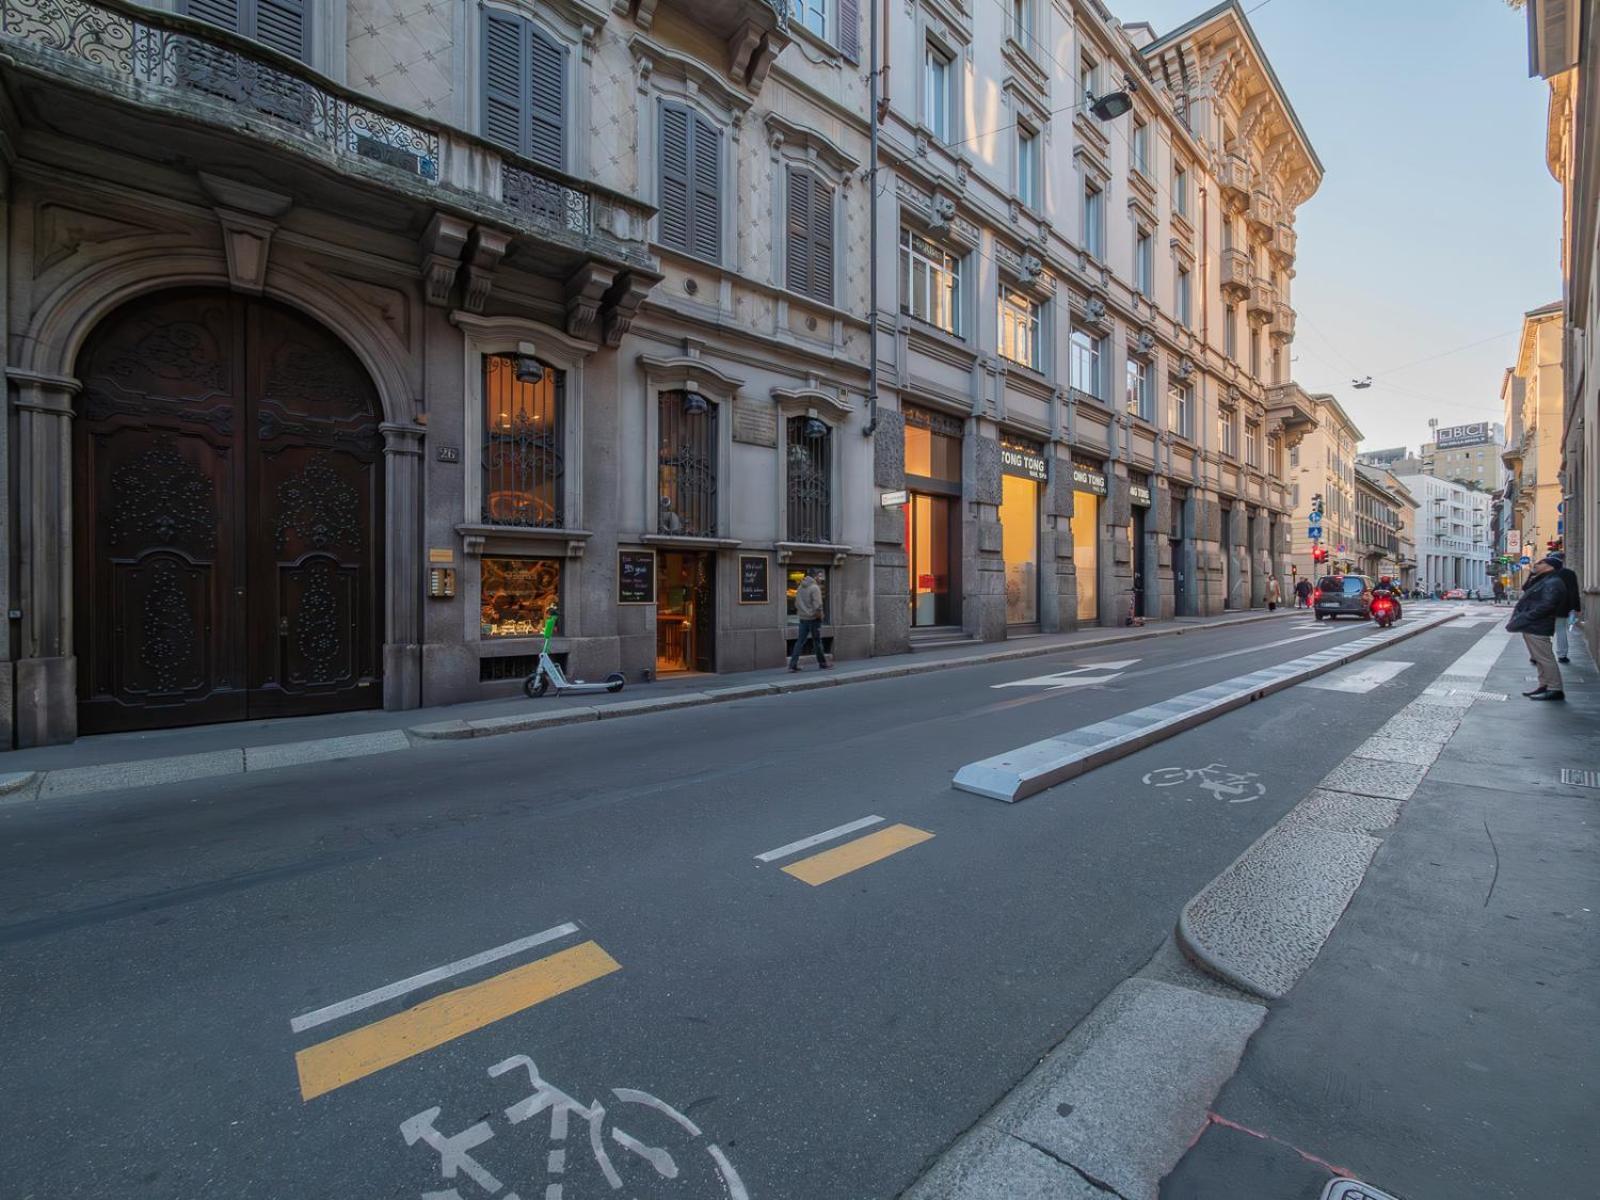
[
  {"x": 535, "y": 685},
  {"x": 615, "y": 680}
]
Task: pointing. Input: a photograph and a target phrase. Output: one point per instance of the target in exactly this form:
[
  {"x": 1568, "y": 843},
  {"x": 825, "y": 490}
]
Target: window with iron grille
[
  {"x": 687, "y": 465},
  {"x": 522, "y": 432},
  {"x": 810, "y": 482}
]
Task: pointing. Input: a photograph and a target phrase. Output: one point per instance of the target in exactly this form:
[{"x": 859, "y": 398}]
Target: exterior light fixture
[
  {"x": 1114, "y": 105},
  {"x": 529, "y": 369},
  {"x": 816, "y": 429},
  {"x": 694, "y": 404}
]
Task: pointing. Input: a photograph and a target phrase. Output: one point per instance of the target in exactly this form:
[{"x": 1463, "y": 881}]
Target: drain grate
[
  {"x": 1349, "y": 1189},
  {"x": 1579, "y": 778}
]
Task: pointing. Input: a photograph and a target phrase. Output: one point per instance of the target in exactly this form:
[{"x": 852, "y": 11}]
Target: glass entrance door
[
  {"x": 1136, "y": 545},
  {"x": 1019, "y": 536},
  {"x": 1086, "y": 554},
  {"x": 928, "y": 520},
  {"x": 686, "y": 612}
]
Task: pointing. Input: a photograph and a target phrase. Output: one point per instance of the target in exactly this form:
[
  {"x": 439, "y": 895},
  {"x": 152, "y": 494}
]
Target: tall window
[
  {"x": 1027, "y": 167},
  {"x": 1230, "y": 331},
  {"x": 1144, "y": 264},
  {"x": 1180, "y": 191},
  {"x": 1094, "y": 221},
  {"x": 1141, "y": 148},
  {"x": 937, "y": 75},
  {"x": 1181, "y": 300},
  {"x": 1255, "y": 353},
  {"x": 1084, "y": 367},
  {"x": 813, "y": 14},
  {"x": 522, "y": 435},
  {"x": 1019, "y": 328},
  {"x": 1088, "y": 78},
  {"x": 281, "y": 24},
  {"x": 810, "y": 480},
  {"x": 930, "y": 282},
  {"x": 1138, "y": 388},
  {"x": 1022, "y": 21},
  {"x": 524, "y": 86},
  {"x": 687, "y": 465},
  {"x": 1228, "y": 432},
  {"x": 809, "y": 236},
  {"x": 1252, "y": 443},
  {"x": 1180, "y": 408},
  {"x": 691, "y": 183},
  {"x": 1227, "y": 232}
]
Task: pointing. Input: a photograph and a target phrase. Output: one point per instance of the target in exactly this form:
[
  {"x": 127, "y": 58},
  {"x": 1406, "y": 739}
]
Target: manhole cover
[
  {"x": 1349, "y": 1189},
  {"x": 1578, "y": 778}
]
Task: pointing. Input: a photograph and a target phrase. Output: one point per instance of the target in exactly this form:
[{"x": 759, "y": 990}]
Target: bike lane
[{"x": 826, "y": 1036}]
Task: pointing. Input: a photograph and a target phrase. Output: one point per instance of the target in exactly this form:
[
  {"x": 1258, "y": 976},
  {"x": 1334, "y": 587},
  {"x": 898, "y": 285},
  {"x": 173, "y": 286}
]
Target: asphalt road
[{"x": 826, "y": 1039}]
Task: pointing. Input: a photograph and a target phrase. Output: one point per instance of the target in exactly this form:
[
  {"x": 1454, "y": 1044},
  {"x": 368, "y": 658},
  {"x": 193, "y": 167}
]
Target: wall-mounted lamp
[
  {"x": 694, "y": 404},
  {"x": 529, "y": 369},
  {"x": 816, "y": 428}
]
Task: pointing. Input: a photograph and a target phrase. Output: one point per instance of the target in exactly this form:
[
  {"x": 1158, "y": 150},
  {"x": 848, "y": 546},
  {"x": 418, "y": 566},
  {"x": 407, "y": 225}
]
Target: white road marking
[
  {"x": 389, "y": 991},
  {"x": 1357, "y": 677},
  {"x": 816, "y": 839},
  {"x": 1080, "y": 676}
]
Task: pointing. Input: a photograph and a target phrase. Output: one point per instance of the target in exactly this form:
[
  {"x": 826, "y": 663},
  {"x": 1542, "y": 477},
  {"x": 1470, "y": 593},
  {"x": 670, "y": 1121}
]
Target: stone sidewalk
[{"x": 110, "y": 762}]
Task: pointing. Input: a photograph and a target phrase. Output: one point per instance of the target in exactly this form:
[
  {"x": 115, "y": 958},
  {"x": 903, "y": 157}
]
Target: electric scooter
[{"x": 547, "y": 675}]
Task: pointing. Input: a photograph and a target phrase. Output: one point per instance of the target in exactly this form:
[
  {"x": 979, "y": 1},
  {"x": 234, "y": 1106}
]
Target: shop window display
[{"x": 516, "y": 595}]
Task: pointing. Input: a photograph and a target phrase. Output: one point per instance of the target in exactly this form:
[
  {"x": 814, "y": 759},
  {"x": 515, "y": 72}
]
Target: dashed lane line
[
  {"x": 816, "y": 839},
  {"x": 853, "y": 855}
]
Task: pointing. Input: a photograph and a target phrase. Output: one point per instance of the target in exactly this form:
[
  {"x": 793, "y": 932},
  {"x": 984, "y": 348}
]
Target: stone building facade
[
  {"x": 1535, "y": 398},
  {"x": 1453, "y": 536},
  {"x": 1324, "y": 464}
]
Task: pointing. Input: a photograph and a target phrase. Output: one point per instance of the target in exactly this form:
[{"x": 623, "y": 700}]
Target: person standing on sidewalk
[
  {"x": 1569, "y": 579},
  {"x": 1544, "y": 600},
  {"x": 1274, "y": 593},
  {"x": 808, "y": 607},
  {"x": 1302, "y": 594}
]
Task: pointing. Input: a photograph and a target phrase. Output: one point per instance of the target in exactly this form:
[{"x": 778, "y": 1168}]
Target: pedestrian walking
[
  {"x": 1274, "y": 593},
  {"x": 1499, "y": 592},
  {"x": 1302, "y": 594},
  {"x": 1544, "y": 599},
  {"x": 1564, "y": 623},
  {"x": 808, "y": 607}
]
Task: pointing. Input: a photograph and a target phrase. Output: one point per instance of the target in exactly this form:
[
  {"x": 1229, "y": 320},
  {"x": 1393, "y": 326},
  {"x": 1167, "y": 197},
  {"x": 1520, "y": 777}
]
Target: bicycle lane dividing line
[
  {"x": 368, "y": 1049},
  {"x": 828, "y": 865}
]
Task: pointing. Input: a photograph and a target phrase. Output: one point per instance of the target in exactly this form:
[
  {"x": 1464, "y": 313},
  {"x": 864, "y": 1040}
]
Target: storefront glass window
[
  {"x": 1019, "y": 526},
  {"x": 516, "y": 593},
  {"x": 932, "y": 455},
  {"x": 1086, "y": 553}
]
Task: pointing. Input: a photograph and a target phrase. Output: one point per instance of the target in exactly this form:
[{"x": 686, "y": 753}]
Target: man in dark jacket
[
  {"x": 1544, "y": 599},
  {"x": 1569, "y": 578}
]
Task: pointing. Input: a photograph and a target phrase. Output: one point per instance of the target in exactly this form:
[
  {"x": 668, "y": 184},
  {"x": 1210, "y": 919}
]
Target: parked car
[
  {"x": 1456, "y": 594},
  {"x": 1342, "y": 596}
]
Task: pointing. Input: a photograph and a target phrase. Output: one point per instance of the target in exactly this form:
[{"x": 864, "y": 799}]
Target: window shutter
[
  {"x": 216, "y": 12},
  {"x": 281, "y": 24},
  {"x": 850, "y": 29},
  {"x": 505, "y": 97},
  {"x": 547, "y": 100},
  {"x": 706, "y": 181},
  {"x": 821, "y": 241},
  {"x": 674, "y": 189},
  {"x": 799, "y": 230}
]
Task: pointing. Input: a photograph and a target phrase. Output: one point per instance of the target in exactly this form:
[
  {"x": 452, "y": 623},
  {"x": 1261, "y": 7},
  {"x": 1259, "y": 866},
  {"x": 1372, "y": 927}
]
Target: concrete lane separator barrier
[
  {"x": 1261, "y": 923},
  {"x": 1028, "y": 770}
]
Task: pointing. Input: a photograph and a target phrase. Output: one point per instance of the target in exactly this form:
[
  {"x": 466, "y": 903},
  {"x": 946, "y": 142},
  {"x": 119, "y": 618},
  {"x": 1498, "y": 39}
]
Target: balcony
[
  {"x": 1284, "y": 243},
  {"x": 1262, "y": 303},
  {"x": 754, "y": 31},
  {"x": 1282, "y": 322},
  {"x": 1290, "y": 413},
  {"x": 109, "y": 74},
  {"x": 1236, "y": 275},
  {"x": 1263, "y": 213},
  {"x": 1233, "y": 177}
]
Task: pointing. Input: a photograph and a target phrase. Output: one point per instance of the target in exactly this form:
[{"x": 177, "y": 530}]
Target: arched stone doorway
[{"x": 228, "y": 516}]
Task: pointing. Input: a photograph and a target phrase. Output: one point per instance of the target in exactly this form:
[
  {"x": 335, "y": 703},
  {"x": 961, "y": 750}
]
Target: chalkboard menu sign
[
  {"x": 636, "y": 576},
  {"x": 753, "y": 579}
]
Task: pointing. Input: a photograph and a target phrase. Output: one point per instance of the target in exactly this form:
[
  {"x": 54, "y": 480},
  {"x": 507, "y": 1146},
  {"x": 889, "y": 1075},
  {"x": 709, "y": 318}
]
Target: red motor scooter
[{"x": 1385, "y": 610}]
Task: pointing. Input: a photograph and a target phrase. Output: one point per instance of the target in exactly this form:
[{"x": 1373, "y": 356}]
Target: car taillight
[{"x": 1316, "y": 594}]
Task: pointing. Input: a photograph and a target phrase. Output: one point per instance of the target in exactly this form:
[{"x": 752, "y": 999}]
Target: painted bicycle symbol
[
  {"x": 1237, "y": 787},
  {"x": 637, "y": 1163}
]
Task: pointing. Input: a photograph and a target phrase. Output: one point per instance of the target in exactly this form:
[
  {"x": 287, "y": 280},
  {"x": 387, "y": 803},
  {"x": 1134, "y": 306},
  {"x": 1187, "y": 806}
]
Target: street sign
[
  {"x": 894, "y": 499},
  {"x": 1525, "y": 561},
  {"x": 1314, "y": 532}
]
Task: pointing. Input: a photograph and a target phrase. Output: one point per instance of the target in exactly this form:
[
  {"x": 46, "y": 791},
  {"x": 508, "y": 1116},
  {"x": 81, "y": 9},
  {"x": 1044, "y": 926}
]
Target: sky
[{"x": 1437, "y": 224}]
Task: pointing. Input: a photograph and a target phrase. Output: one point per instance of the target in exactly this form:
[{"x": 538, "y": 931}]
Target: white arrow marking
[{"x": 1076, "y": 677}]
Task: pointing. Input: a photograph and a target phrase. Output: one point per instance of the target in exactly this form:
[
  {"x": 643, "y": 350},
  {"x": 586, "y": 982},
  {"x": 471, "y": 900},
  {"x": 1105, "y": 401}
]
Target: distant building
[
  {"x": 1385, "y": 525},
  {"x": 1324, "y": 464},
  {"x": 1468, "y": 454},
  {"x": 1452, "y": 533},
  {"x": 1534, "y": 395}
]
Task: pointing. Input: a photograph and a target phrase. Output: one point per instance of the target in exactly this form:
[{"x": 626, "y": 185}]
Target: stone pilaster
[
  {"x": 402, "y": 644},
  {"x": 46, "y": 670},
  {"x": 891, "y": 596},
  {"x": 983, "y": 568}
]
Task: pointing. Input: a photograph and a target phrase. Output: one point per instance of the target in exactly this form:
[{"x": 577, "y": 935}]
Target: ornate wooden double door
[{"x": 229, "y": 517}]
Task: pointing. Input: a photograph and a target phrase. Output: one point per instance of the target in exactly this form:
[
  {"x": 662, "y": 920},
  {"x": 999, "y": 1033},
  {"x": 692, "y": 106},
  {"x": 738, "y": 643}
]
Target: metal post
[{"x": 872, "y": 221}]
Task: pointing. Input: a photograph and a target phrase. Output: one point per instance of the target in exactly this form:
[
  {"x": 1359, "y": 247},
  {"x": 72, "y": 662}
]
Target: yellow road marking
[
  {"x": 852, "y": 856},
  {"x": 361, "y": 1052}
]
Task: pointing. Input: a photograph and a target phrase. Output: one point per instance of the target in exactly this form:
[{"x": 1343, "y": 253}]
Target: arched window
[
  {"x": 284, "y": 25},
  {"x": 524, "y": 93},
  {"x": 810, "y": 480}
]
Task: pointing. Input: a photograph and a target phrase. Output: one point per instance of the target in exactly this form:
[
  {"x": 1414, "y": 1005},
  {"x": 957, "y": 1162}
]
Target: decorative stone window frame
[
  {"x": 674, "y": 374},
  {"x": 1024, "y": 271},
  {"x": 944, "y": 29},
  {"x": 664, "y": 75},
  {"x": 833, "y": 410},
  {"x": 486, "y": 336},
  {"x": 794, "y": 145},
  {"x": 572, "y": 23},
  {"x": 936, "y": 216}
]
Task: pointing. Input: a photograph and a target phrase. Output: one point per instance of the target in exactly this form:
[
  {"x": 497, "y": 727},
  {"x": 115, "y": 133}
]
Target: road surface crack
[
  {"x": 1097, "y": 1184},
  {"x": 1496, "y": 849}
]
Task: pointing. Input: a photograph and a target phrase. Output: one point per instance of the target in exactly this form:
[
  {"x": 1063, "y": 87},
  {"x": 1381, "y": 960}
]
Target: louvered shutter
[
  {"x": 281, "y": 24},
  {"x": 798, "y": 232},
  {"x": 706, "y": 190},
  {"x": 850, "y": 29},
  {"x": 821, "y": 241},
  {"x": 217, "y": 12},
  {"x": 547, "y": 93},
  {"x": 674, "y": 197},
  {"x": 505, "y": 74}
]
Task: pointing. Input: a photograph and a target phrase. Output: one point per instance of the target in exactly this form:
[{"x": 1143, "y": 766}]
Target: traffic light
[{"x": 1318, "y": 554}]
